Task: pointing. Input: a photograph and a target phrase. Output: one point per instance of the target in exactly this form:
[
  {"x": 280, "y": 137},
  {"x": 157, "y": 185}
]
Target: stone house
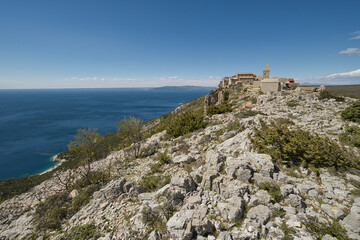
[{"x": 270, "y": 85}]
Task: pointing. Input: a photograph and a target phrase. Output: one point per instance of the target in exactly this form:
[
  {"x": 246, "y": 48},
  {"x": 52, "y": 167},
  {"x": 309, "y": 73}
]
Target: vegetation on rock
[
  {"x": 185, "y": 123},
  {"x": 328, "y": 95},
  {"x": 352, "y": 113},
  {"x": 218, "y": 109},
  {"x": 298, "y": 147},
  {"x": 351, "y": 136}
]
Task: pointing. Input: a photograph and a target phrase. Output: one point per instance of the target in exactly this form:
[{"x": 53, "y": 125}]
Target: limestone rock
[
  {"x": 232, "y": 209},
  {"x": 258, "y": 216},
  {"x": 183, "y": 180}
]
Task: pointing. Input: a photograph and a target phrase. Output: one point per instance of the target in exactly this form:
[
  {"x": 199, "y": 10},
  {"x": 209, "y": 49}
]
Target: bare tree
[{"x": 64, "y": 178}]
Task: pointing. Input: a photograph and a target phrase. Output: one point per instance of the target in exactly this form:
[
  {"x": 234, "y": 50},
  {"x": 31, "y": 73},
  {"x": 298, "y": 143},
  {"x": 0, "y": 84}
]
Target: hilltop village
[{"x": 265, "y": 82}]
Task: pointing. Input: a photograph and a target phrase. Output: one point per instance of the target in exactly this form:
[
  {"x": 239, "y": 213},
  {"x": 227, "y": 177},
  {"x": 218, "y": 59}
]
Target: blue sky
[{"x": 145, "y": 43}]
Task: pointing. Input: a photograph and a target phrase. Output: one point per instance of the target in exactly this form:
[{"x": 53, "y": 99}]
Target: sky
[{"x": 149, "y": 43}]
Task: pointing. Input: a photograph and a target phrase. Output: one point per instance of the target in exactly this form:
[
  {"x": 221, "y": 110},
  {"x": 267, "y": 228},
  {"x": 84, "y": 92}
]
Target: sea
[{"x": 37, "y": 124}]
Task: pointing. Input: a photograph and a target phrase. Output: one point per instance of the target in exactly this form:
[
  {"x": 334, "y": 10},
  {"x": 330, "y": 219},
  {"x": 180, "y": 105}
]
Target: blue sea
[{"x": 37, "y": 124}]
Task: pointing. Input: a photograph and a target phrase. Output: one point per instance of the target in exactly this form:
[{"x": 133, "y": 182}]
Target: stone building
[
  {"x": 270, "y": 85},
  {"x": 256, "y": 81},
  {"x": 266, "y": 71}
]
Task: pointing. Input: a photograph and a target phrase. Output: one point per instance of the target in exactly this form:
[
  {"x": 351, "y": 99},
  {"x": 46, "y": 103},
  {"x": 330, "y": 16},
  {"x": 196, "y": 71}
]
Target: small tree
[
  {"x": 130, "y": 130},
  {"x": 84, "y": 144}
]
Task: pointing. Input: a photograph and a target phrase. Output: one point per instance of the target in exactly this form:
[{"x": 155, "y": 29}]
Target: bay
[{"x": 37, "y": 124}]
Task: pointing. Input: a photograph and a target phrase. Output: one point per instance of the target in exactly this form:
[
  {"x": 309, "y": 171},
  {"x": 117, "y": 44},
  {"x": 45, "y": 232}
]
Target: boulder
[
  {"x": 239, "y": 168},
  {"x": 258, "y": 216},
  {"x": 295, "y": 201},
  {"x": 332, "y": 211},
  {"x": 182, "y": 159},
  {"x": 233, "y": 209},
  {"x": 261, "y": 197},
  {"x": 183, "y": 180}
]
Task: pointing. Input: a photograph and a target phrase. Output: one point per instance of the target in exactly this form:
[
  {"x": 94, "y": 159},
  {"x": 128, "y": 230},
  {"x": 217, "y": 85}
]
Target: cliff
[{"x": 212, "y": 183}]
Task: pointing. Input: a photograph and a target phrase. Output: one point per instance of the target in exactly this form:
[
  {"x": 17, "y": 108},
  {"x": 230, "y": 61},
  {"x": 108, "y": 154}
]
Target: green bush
[
  {"x": 284, "y": 121},
  {"x": 319, "y": 229},
  {"x": 351, "y": 136},
  {"x": 273, "y": 189},
  {"x": 84, "y": 232},
  {"x": 299, "y": 147},
  {"x": 185, "y": 123},
  {"x": 218, "y": 109},
  {"x": 226, "y": 95},
  {"x": 153, "y": 182},
  {"x": 83, "y": 198},
  {"x": 163, "y": 158},
  {"x": 328, "y": 95},
  {"x": 249, "y": 113},
  {"x": 51, "y": 213},
  {"x": 352, "y": 113},
  {"x": 292, "y": 103}
]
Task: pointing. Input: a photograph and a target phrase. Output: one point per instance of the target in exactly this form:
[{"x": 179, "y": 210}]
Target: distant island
[{"x": 182, "y": 88}]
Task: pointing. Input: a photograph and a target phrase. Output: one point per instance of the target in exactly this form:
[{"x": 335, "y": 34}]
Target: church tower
[{"x": 266, "y": 72}]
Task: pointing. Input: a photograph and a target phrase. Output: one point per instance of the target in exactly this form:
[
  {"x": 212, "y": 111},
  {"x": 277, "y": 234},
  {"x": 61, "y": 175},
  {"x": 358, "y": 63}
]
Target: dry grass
[{"x": 345, "y": 90}]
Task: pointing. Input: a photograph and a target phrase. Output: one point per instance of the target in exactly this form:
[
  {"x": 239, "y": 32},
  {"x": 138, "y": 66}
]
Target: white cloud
[
  {"x": 352, "y": 77},
  {"x": 355, "y": 73},
  {"x": 356, "y": 35},
  {"x": 350, "y": 51},
  {"x": 145, "y": 82}
]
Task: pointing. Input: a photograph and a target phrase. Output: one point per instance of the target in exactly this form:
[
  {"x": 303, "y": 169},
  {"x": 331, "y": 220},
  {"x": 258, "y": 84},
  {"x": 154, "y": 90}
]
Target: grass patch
[
  {"x": 249, "y": 113},
  {"x": 87, "y": 231},
  {"x": 319, "y": 229},
  {"x": 154, "y": 182},
  {"x": 286, "y": 121},
  {"x": 345, "y": 90},
  {"x": 289, "y": 232},
  {"x": 273, "y": 189},
  {"x": 292, "y": 103},
  {"x": 163, "y": 158},
  {"x": 351, "y": 136},
  {"x": 328, "y": 95}
]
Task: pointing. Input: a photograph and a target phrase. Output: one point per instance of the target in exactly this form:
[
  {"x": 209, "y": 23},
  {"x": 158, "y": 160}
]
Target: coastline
[{"x": 54, "y": 158}]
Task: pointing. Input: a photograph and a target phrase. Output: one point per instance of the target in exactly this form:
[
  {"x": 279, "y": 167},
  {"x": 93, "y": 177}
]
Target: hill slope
[{"x": 214, "y": 182}]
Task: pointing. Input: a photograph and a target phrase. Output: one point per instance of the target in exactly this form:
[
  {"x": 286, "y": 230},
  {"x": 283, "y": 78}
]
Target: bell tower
[{"x": 266, "y": 72}]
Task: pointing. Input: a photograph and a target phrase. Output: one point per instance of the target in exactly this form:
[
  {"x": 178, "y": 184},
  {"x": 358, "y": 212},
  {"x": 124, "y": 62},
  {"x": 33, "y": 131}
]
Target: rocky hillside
[{"x": 213, "y": 183}]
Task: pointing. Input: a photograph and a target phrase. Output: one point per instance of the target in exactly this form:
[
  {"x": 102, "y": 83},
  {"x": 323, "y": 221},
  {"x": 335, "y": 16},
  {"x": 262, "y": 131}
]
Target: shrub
[
  {"x": 253, "y": 100},
  {"x": 185, "y": 123},
  {"x": 299, "y": 147},
  {"x": 285, "y": 121},
  {"x": 273, "y": 189},
  {"x": 83, "y": 198},
  {"x": 226, "y": 95},
  {"x": 319, "y": 229},
  {"x": 218, "y": 109},
  {"x": 234, "y": 125},
  {"x": 352, "y": 113},
  {"x": 249, "y": 113},
  {"x": 84, "y": 232},
  {"x": 292, "y": 103},
  {"x": 328, "y": 95},
  {"x": 51, "y": 213},
  {"x": 153, "y": 182},
  {"x": 351, "y": 136},
  {"x": 163, "y": 158}
]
